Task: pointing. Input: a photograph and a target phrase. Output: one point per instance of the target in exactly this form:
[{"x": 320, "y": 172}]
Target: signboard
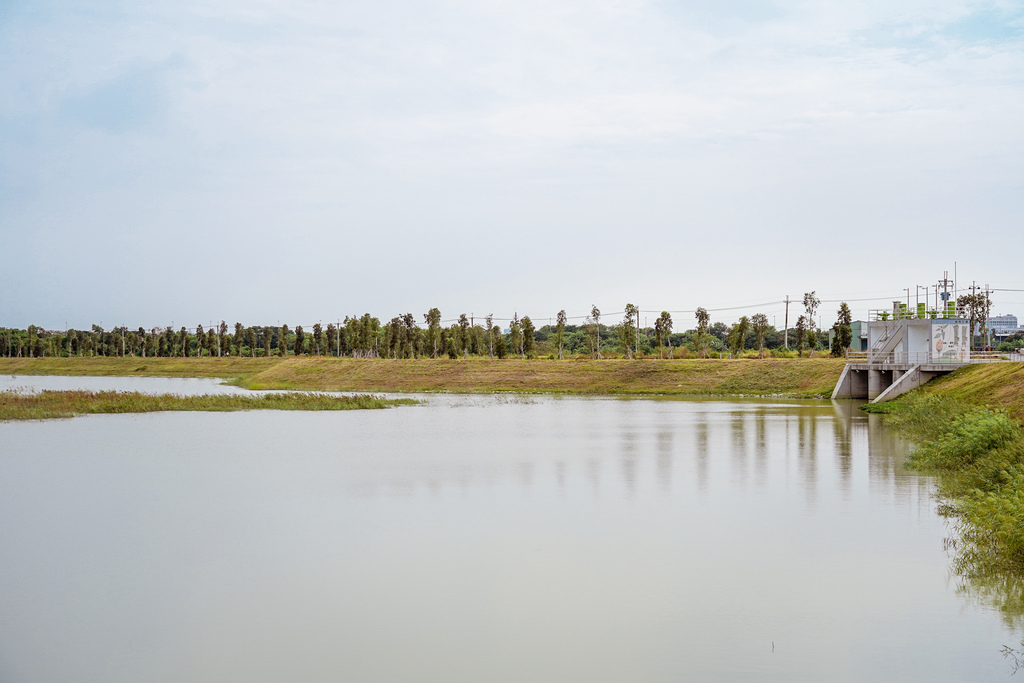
[{"x": 950, "y": 343}]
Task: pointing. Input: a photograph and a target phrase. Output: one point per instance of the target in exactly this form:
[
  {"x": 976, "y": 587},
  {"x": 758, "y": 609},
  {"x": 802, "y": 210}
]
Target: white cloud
[{"x": 522, "y": 141}]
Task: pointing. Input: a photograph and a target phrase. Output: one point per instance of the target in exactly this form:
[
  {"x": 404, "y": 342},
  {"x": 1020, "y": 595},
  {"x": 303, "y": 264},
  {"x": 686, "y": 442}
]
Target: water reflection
[
  {"x": 701, "y": 452},
  {"x": 761, "y": 447},
  {"x": 481, "y": 538},
  {"x": 664, "y": 467}
]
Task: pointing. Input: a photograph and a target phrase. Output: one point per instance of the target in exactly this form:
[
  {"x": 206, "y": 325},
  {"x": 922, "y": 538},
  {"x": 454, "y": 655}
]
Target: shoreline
[{"x": 750, "y": 377}]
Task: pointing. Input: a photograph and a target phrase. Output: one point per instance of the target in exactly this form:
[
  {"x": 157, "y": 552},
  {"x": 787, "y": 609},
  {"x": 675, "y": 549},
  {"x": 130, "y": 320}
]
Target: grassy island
[
  {"x": 15, "y": 405},
  {"x": 791, "y": 377}
]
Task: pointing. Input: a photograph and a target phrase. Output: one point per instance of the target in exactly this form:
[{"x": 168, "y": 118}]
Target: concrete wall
[
  {"x": 852, "y": 384},
  {"x": 908, "y": 381}
]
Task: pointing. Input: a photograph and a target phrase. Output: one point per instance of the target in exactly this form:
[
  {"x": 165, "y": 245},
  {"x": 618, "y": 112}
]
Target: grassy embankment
[
  {"x": 44, "y": 405},
  {"x": 804, "y": 378},
  {"x": 969, "y": 433}
]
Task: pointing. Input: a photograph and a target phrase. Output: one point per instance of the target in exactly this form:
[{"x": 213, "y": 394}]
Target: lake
[{"x": 478, "y": 538}]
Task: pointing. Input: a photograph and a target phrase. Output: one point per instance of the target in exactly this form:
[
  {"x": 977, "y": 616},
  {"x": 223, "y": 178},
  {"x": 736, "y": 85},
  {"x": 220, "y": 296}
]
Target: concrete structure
[{"x": 905, "y": 349}]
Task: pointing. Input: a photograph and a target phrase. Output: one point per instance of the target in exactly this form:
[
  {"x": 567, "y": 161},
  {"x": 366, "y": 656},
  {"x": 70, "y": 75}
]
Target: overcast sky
[{"x": 294, "y": 162}]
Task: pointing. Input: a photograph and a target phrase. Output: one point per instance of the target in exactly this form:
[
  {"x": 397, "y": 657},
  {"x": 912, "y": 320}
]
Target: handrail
[{"x": 926, "y": 358}]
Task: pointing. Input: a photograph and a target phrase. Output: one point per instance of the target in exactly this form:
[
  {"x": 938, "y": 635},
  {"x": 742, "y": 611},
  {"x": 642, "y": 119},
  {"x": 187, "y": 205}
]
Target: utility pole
[
  {"x": 945, "y": 282},
  {"x": 988, "y": 312},
  {"x": 785, "y": 334}
]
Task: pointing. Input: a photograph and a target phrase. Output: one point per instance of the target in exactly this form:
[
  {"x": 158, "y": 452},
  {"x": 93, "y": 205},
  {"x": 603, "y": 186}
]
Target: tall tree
[
  {"x": 282, "y": 341},
  {"x": 976, "y": 307},
  {"x": 222, "y": 338},
  {"x": 451, "y": 341},
  {"x": 662, "y": 330},
  {"x": 331, "y": 343},
  {"x": 627, "y": 331},
  {"x": 411, "y": 332},
  {"x": 595, "y": 315},
  {"x": 515, "y": 334},
  {"x": 560, "y": 331},
  {"x": 300, "y": 340},
  {"x": 801, "y": 334},
  {"x": 528, "y": 340},
  {"x": 490, "y": 334},
  {"x": 759, "y": 321},
  {"x": 318, "y": 331},
  {"x": 811, "y": 306},
  {"x": 701, "y": 341},
  {"x": 738, "y": 336},
  {"x": 843, "y": 331},
  {"x": 464, "y": 334},
  {"x": 433, "y": 320}
]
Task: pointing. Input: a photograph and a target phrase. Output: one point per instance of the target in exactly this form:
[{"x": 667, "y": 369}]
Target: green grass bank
[
  {"x": 46, "y": 405},
  {"x": 802, "y": 378},
  {"x": 967, "y": 427}
]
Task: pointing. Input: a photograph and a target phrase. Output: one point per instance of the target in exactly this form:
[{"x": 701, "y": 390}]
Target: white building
[{"x": 1002, "y": 325}]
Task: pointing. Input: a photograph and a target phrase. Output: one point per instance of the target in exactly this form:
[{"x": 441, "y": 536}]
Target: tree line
[{"x": 404, "y": 337}]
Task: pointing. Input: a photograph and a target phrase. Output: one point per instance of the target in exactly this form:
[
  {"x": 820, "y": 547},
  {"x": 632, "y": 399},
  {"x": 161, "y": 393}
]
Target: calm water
[{"x": 479, "y": 539}]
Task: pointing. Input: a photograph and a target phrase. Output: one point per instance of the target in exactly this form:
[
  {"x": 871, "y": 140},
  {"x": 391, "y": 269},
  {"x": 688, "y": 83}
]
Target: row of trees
[{"x": 403, "y": 337}]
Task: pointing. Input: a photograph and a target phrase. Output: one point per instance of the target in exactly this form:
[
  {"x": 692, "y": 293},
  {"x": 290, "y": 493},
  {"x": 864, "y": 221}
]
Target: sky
[{"x": 293, "y": 162}]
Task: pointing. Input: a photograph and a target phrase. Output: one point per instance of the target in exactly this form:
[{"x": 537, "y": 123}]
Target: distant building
[
  {"x": 858, "y": 337},
  {"x": 1002, "y": 325}
]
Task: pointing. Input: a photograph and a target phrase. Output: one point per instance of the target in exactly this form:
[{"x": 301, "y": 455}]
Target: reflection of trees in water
[
  {"x": 999, "y": 590},
  {"x": 594, "y": 472},
  {"x": 701, "y": 432},
  {"x": 738, "y": 452},
  {"x": 982, "y": 584},
  {"x": 629, "y": 460},
  {"x": 807, "y": 453},
  {"x": 979, "y": 584},
  {"x": 842, "y": 431},
  {"x": 664, "y": 466},
  {"x": 887, "y": 457},
  {"x": 761, "y": 446}
]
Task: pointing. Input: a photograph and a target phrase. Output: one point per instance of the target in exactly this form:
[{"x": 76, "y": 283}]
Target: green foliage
[
  {"x": 433, "y": 320},
  {"x": 759, "y": 321},
  {"x": 967, "y": 438},
  {"x": 844, "y": 333},
  {"x": 560, "y": 332},
  {"x": 737, "y": 336},
  {"x": 594, "y": 322},
  {"x": 701, "y": 338},
  {"x": 976, "y": 307},
  {"x": 627, "y": 330},
  {"x": 15, "y": 405},
  {"x": 801, "y": 335},
  {"x": 528, "y": 340},
  {"x": 515, "y": 335},
  {"x": 978, "y": 456}
]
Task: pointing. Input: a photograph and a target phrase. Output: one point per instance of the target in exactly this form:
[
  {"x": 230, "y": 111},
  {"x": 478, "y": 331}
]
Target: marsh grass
[
  {"x": 977, "y": 456},
  {"x": 45, "y": 405}
]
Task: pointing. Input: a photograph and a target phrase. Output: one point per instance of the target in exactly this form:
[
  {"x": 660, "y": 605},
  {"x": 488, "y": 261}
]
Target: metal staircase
[{"x": 884, "y": 346}]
